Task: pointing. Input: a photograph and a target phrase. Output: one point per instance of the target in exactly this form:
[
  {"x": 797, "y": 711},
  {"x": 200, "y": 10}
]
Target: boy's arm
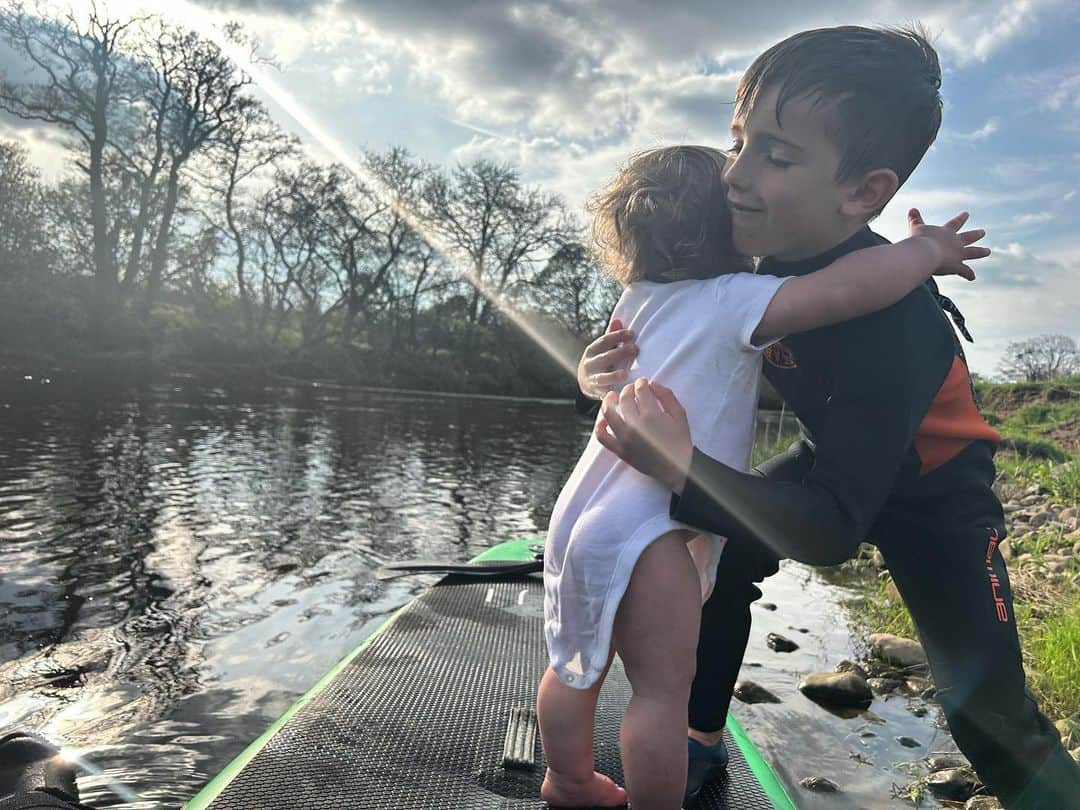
[
  {"x": 870, "y": 279},
  {"x": 888, "y": 369}
]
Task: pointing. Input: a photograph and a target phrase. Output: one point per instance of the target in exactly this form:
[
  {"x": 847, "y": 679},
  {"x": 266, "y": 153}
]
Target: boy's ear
[{"x": 870, "y": 194}]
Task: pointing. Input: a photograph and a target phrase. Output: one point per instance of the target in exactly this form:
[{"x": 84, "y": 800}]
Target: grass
[{"x": 1052, "y": 657}]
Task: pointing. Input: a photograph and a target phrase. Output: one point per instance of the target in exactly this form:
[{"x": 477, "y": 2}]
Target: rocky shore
[{"x": 1039, "y": 487}]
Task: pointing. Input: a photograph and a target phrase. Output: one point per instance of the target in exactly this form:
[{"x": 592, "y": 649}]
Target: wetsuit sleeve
[
  {"x": 586, "y": 406},
  {"x": 883, "y": 380}
]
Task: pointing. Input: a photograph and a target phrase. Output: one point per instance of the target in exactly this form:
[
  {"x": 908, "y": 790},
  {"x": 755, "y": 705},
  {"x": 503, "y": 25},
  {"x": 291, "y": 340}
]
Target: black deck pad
[{"x": 418, "y": 719}]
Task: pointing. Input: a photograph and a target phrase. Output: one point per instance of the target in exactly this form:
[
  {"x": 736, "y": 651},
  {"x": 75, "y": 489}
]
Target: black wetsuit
[{"x": 893, "y": 451}]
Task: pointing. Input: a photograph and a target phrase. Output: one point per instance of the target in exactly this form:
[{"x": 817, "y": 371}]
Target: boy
[{"x": 827, "y": 125}]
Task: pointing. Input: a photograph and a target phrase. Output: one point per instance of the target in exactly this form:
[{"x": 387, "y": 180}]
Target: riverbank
[{"x": 1039, "y": 485}]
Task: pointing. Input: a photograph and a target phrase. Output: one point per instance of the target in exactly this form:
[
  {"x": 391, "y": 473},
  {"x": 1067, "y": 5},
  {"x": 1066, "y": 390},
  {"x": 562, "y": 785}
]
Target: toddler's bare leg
[
  {"x": 565, "y": 716},
  {"x": 656, "y": 632}
]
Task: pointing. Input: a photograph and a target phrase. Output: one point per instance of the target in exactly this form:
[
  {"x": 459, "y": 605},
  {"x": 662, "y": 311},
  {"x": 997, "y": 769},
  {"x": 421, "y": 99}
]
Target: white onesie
[{"x": 694, "y": 337}]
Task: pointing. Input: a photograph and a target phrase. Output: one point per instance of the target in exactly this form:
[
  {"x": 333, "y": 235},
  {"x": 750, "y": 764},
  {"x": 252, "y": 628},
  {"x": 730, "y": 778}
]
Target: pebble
[
  {"x": 1069, "y": 731},
  {"x": 944, "y": 762},
  {"x": 837, "y": 690},
  {"x": 851, "y": 666},
  {"x": 954, "y": 784},
  {"x": 750, "y": 692},
  {"x": 909, "y": 742},
  {"x": 1005, "y": 548},
  {"x": 780, "y": 643},
  {"x": 883, "y": 686},
  {"x": 917, "y": 709},
  {"x": 1040, "y": 518},
  {"x": 819, "y": 784},
  {"x": 901, "y": 652},
  {"x": 766, "y": 605},
  {"x": 983, "y": 803},
  {"x": 923, "y": 687}
]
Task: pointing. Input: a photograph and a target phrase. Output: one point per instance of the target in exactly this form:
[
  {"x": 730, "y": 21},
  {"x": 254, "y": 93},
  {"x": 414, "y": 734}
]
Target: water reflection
[{"x": 181, "y": 560}]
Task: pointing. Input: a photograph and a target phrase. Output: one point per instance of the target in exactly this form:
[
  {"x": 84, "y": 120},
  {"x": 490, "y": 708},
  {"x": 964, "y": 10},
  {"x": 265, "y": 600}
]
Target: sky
[{"x": 566, "y": 89}]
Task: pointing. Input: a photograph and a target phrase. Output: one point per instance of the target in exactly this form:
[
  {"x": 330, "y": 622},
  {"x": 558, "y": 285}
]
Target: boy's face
[{"x": 782, "y": 189}]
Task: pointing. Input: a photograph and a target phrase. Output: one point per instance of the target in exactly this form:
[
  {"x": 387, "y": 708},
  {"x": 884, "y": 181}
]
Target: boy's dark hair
[
  {"x": 879, "y": 88},
  {"x": 664, "y": 218}
]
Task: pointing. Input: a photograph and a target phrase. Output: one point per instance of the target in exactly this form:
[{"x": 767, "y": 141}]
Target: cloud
[
  {"x": 980, "y": 134},
  {"x": 1034, "y": 219},
  {"x": 597, "y": 70}
]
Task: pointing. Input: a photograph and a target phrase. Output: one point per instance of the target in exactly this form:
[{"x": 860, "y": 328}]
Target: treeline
[{"x": 188, "y": 226}]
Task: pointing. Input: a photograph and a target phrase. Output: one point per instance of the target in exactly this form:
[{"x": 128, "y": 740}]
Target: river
[{"x": 182, "y": 559}]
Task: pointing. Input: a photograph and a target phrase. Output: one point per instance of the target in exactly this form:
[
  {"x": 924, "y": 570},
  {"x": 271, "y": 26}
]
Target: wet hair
[
  {"x": 878, "y": 87},
  {"x": 664, "y": 218}
]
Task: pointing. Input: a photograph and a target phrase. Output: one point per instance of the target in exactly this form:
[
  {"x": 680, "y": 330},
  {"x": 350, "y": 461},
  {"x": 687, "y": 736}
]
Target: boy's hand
[
  {"x": 949, "y": 248},
  {"x": 649, "y": 432},
  {"x": 605, "y": 363}
]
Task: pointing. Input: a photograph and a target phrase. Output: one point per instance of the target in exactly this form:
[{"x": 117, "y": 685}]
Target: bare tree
[
  {"x": 572, "y": 289},
  {"x": 206, "y": 89},
  {"x": 81, "y": 76},
  {"x": 1041, "y": 358},
  {"x": 502, "y": 230},
  {"x": 249, "y": 144}
]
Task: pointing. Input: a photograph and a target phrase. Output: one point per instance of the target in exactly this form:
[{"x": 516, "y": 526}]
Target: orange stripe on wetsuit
[{"x": 952, "y": 422}]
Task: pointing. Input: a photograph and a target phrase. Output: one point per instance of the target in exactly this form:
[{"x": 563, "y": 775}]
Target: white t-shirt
[{"x": 694, "y": 337}]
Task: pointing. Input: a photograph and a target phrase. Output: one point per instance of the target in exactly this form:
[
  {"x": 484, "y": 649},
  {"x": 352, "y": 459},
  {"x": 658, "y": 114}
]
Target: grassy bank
[{"x": 1039, "y": 484}]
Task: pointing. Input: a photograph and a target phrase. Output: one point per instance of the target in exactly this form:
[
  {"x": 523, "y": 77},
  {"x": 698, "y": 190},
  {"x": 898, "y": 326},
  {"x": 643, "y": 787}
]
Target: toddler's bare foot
[{"x": 596, "y": 791}]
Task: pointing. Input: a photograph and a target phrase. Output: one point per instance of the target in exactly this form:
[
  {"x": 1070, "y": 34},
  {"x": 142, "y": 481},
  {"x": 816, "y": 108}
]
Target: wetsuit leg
[
  {"x": 954, "y": 581},
  {"x": 725, "y": 616}
]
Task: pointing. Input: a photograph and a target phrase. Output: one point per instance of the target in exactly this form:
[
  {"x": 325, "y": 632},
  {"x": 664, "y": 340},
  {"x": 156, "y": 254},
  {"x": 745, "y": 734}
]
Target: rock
[
  {"x": 909, "y": 742},
  {"x": 917, "y": 709},
  {"x": 884, "y": 686},
  {"x": 944, "y": 762},
  {"x": 878, "y": 559},
  {"x": 892, "y": 592},
  {"x": 1075, "y": 754},
  {"x": 954, "y": 784},
  {"x": 922, "y": 687},
  {"x": 837, "y": 690},
  {"x": 1010, "y": 507},
  {"x": 819, "y": 784},
  {"x": 1058, "y": 564},
  {"x": 851, "y": 666},
  {"x": 766, "y": 606},
  {"x": 777, "y": 642},
  {"x": 1034, "y": 489},
  {"x": 1076, "y": 549},
  {"x": 1070, "y": 513},
  {"x": 1030, "y": 500},
  {"x": 983, "y": 803},
  {"x": 901, "y": 652},
  {"x": 750, "y": 692},
  {"x": 1005, "y": 548},
  {"x": 1069, "y": 731},
  {"x": 1040, "y": 518}
]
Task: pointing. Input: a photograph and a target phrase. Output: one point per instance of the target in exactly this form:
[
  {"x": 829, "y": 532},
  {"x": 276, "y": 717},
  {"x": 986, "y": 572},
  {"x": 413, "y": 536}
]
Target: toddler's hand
[
  {"x": 950, "y": 248},
  {"x": 603, "y": 366}
]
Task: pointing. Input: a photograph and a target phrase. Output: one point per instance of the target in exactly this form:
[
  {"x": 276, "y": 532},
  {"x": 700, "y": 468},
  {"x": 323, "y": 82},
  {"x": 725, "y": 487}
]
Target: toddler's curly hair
[{"x": 663, "y": 218}]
